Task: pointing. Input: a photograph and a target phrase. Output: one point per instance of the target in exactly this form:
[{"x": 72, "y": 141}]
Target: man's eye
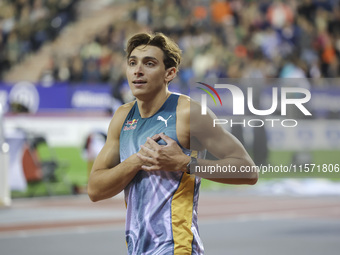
[
  {"x": 132, "y": 63},
  {"x": 150, "y": 64}
]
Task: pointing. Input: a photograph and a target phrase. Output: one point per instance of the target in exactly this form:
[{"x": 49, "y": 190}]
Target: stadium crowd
[
  {"x": 219, "y": 38},
  {"x": 25, "y": 25}
]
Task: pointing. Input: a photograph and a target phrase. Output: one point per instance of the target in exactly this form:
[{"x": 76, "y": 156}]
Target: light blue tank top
[{"x": 161, "y": 205}]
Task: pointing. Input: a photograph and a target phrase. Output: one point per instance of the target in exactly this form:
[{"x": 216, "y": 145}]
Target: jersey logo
[
  {"x": 130, "y": 124},
  {"x": 164, "y": 120}
]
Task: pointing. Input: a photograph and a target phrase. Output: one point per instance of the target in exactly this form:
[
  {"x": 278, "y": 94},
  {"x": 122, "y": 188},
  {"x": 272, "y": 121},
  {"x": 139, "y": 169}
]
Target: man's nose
[{"x": 139, "y": 70}]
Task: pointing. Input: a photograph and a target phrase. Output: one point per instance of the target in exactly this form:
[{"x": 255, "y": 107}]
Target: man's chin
[{"x": 140, "y": 94}]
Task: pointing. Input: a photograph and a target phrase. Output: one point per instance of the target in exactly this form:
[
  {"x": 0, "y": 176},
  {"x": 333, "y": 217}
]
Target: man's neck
[{"x": 149, "y": 107}]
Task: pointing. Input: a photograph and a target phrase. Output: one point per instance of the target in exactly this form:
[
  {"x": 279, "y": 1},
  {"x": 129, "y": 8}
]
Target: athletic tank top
[{"x": 161, "y": 206}]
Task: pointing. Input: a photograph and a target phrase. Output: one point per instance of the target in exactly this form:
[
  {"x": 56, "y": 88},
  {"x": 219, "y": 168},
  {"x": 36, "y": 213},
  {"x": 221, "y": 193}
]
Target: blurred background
[
  {"x": 62, "y": 72},
  {"x": 62, "y": 76}
]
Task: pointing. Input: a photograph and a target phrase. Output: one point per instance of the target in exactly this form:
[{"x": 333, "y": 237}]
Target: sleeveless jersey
[{"x": 161, "y": 206}]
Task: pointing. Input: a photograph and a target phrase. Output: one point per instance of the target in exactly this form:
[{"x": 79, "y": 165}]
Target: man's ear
[{"x": 170, "y": 74}]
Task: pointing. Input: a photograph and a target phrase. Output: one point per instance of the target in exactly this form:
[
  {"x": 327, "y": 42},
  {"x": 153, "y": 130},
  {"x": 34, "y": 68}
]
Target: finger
[
  {"x": 148, "y": 142},
  {"x": 146, "y": 151},
  {"x": 147, "y": 145},
  {"x": 150, "y": 168},
  {"x": 153, "y": 145},
  {"x": 146, "y": 159},
  {"x": 156, "y": 137},
  {"x": 166, "y": 138}
]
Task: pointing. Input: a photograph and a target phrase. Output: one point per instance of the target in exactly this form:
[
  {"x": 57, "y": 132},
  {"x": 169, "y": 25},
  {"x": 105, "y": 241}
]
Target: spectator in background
[
  {"x": 218, "y": 31},
  {"x": 12, "y": 47},
  {"x": 25, "y": 25},
  {"x": 76, "y": 69},
  {"x": 4, "y": 64},
  {"x": 91, "y": 73},
  {"x": 38, "y": 12}
]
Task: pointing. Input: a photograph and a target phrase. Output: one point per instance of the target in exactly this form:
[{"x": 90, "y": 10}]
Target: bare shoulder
[
  {"x": 200, "y": 123},
  {"x": 184, "y": 108},
  {"x": 190, "y": 109},
  {"x": 183, "y": 121},
  {"x": 191, "y": 124},
  {"x": 187, "y": 104},
  {"x": 125, "y": 108},
  {"x": 119, "y": 116},
  {"x": 184, "y": 99}
]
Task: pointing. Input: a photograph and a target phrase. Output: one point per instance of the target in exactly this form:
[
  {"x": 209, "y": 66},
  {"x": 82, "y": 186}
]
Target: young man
[{"x": 147, "y": 154}]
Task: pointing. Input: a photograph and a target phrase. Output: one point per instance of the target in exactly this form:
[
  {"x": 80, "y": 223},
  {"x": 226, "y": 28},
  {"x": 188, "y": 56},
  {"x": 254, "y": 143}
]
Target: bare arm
[
  {"x": 223, "y": 145},
  {"x": 108, "y": 176}
]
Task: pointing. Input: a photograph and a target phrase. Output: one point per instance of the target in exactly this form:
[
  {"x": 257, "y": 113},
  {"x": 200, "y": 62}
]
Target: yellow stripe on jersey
[{"x": 181, "y": 210}]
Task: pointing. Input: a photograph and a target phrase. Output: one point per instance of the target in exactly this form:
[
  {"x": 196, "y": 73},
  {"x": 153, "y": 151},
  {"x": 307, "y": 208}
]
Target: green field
[{"x": 73, "y": 177}]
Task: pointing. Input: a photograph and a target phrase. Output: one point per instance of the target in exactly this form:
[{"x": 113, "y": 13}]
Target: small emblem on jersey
[
  {"x": 164, "y": 120},
  {"x": 130, "y": 125}
]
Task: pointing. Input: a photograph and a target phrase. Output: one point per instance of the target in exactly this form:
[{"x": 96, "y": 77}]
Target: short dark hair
[{"x": 172, "y": 53}]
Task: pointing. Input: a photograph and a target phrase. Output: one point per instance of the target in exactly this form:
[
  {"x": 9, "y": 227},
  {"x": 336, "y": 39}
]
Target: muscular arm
[
  {"x": 108, "y": 176},
  {"x": 222, "y": 145}
]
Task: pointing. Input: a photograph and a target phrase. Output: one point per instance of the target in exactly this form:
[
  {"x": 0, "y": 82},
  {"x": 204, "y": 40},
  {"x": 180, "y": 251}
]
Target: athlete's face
[{"x": 146, "y": 71}]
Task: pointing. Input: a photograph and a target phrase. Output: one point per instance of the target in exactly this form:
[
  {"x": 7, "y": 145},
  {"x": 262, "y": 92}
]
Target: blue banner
[
  {"x": 64, "y": 97},
  {"x": 59, "y": 97}
]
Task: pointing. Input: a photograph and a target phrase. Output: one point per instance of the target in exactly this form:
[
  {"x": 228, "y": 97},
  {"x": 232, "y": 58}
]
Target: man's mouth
[{"x": 139, "y": 82}]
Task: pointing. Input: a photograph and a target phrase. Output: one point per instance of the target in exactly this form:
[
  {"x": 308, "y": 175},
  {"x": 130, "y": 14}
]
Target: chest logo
[
  {"x": 164, "y": 120},
  {"x": 130, "y": 124}
]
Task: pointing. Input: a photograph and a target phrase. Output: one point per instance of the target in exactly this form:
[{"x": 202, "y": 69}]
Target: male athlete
[{"x": 147, "y": 154}]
